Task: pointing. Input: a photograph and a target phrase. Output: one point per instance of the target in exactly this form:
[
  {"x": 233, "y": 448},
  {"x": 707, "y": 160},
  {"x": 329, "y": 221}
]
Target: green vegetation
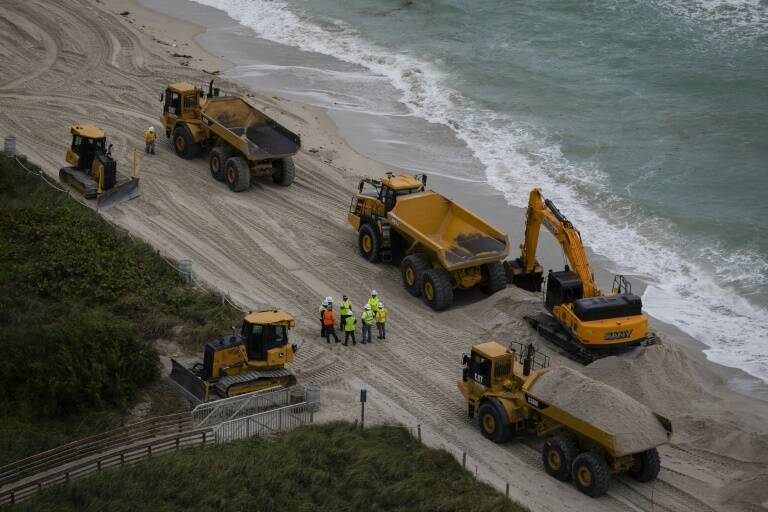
[
  {"x": 333, "y": 467},
  {"x": 81, "y": 305}
]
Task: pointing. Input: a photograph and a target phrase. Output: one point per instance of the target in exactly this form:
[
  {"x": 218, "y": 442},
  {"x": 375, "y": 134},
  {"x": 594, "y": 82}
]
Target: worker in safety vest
[
  {"x": 349, "y": 328},
  {"x": 329, "y": 319},
  {"x": 367, "y": 317},
  {"x": 150, "y": 138},
  {"x": 374, "y": 301},
  {"x": 381, "y": 320},
  {"x": 322, "y": 310},
  {"x": 345, "y": 310}
]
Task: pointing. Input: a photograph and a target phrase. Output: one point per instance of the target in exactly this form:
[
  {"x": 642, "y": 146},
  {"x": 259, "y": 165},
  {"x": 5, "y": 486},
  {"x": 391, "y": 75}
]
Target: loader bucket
[
  {"x": 191, "y": 386},
  {"x": 125, "y": 191}
]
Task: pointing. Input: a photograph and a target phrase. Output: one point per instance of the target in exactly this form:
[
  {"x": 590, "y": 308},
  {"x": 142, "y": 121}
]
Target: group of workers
[{"x": 373, "y": 312}]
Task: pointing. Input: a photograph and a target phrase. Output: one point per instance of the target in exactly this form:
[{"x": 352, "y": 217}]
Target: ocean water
[{"x": 646, "y": 122}]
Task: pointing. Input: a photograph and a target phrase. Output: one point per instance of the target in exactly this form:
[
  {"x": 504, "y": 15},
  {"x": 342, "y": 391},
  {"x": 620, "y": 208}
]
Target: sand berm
[{"x": 73, "y": 61}]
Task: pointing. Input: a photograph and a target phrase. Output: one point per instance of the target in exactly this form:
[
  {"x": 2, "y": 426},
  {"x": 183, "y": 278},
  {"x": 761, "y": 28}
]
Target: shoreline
[{"x": 231, "y": 42}]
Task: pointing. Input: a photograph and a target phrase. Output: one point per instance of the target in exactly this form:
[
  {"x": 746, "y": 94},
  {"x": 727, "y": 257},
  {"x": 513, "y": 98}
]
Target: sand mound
[{"x": 633, "y": 425}]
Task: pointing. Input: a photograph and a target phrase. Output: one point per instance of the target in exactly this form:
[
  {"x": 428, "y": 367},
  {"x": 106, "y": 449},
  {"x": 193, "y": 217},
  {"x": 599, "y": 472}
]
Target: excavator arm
[{"x": 543, "y": 211}]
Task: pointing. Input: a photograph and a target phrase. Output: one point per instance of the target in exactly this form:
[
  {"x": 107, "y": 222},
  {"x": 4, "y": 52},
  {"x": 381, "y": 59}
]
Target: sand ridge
[{"x": 72, "y": 61}]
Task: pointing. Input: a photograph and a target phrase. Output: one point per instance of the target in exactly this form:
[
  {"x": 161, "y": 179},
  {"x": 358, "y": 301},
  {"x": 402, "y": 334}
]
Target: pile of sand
[{"x": 634, "y": 426}]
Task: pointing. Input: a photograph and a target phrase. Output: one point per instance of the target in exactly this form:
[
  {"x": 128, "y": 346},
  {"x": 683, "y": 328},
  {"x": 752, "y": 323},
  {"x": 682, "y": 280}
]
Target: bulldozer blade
[
  {"x": 191, "y": 386},
  {"x": 118, "y": 194}
]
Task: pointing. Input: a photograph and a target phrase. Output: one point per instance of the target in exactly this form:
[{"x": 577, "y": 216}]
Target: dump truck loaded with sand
[
  {"x": 592, "y": 430},
  {"x": 441, "y": 245}
]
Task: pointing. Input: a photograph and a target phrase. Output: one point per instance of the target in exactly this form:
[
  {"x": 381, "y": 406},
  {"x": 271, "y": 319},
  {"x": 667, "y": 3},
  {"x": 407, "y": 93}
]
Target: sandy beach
[{"x": 84, "y": 61}]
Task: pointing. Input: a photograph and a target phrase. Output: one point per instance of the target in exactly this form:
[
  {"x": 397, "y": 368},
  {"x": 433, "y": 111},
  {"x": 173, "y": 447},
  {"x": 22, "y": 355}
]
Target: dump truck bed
[
  {"x": 601, "y": 413},
  {"x": 457, "y": 236},
  {"x": 250, "y": 131}
]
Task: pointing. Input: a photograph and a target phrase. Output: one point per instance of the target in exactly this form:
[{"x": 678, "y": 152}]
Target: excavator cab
[{"x": 252, "y": 360}]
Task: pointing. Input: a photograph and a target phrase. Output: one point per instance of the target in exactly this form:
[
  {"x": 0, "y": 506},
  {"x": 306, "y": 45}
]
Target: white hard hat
[
  {"x": 151, "y": 128},
  {"x": 381, "y": 305},
  {"x": 325, "y": 302},
  {"x": 373, "y": 292},
  {"x": 329, "y": 299},
  {"x": 367, "y": 306}
]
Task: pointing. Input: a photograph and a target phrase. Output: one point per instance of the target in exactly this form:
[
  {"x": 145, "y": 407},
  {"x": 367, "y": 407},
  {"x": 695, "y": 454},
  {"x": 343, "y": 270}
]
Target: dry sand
[
  {"x": 633, "y": 425},
  {"x": 71, "y": 61}
]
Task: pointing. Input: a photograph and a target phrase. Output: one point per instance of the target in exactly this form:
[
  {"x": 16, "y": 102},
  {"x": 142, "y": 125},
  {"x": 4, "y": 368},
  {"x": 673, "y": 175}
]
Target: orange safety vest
[
  {"x": 328, "y": 317},
  {"x": 149, "y": 136}
]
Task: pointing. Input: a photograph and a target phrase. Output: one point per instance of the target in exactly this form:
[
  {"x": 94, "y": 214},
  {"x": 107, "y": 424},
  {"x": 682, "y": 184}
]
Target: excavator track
[{"x": 230, "y": 385}]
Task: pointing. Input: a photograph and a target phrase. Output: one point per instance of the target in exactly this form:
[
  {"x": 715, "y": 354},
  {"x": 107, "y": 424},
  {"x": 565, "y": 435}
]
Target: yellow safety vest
[
  {"x": 374, "y": 303},
  {"x": 381, "y": 316},
  {"x": 346, "y": 307},
  {"x": 349, "y": 323},
  {"x": 367, "y": 317},
  {"x": 149, "y": 136}
]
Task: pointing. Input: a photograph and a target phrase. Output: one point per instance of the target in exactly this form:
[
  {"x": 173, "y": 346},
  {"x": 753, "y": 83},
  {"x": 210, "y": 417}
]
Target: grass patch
[
  {"x": 81, "y": 304},
  {"x": 333, "y": 467}
]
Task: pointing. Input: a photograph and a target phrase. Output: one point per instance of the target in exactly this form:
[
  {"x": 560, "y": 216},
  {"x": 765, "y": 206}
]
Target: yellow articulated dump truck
[
  {"x": 253, "y": 360},
  {"x": 591, "y": 430},
  {"x": 242, "y": 142},
  {"x": 440, "y": 245}
]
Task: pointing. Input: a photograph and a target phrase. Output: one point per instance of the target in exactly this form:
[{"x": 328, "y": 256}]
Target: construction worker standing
[
  {"x": 329, "y": 319},
  {"x": 349, "y": 328},
  {"x": 345, "y": 310},
  {"x": 150, "y": 138},
  {"x": 374, "y": 301},
  {"x": 322, "y": 310},
  {"x": 381, "y": 320},
  {"x": 367, "y": 317}
]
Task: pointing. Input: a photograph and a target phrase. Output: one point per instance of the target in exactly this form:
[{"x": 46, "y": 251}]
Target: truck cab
[
  {"x": 382, "y": 196},
  {"x": 180, "y": 101}
]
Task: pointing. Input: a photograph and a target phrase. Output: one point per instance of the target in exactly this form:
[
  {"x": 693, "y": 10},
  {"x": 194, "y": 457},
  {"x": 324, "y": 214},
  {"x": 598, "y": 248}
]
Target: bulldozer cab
[{"x": 87, "y": 142}]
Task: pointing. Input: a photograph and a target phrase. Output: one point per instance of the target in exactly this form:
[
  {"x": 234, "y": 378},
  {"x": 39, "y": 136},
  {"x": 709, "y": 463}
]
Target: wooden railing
[
  {"x": 121, "y": 456},
  {"x": 88, "y": 446}
]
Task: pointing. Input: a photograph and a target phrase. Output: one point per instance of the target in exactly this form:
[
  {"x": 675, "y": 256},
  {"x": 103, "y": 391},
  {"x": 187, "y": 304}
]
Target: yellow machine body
[{"x": 253, "y": 360}]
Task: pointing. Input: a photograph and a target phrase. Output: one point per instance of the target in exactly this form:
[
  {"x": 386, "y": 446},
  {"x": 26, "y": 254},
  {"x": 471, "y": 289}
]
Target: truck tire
[
  {"x": 494, "y": 277},
  {"x": 238, "y": 173},
  {"x": 647, "y": 467},
  {"x": 216, "y": 162},
  {"x": 493, "y": 421},
  {"x": 412, "y": 269},
  {"x": 285, "y": 171},
  {"x": 591, "y": 474},
  {"x": 436, "y": 289},
  {"x": 184, "y": 143},
  {"x": 369, "y": 242},
  {"x": 558, "y": 454}
]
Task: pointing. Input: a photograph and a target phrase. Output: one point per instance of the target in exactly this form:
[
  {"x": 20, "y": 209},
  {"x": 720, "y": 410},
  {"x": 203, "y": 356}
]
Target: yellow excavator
[
  {"x": 584, "y": 322},
  {"x": 255, "y": 359},
  {"x": 93, "y": 171}
]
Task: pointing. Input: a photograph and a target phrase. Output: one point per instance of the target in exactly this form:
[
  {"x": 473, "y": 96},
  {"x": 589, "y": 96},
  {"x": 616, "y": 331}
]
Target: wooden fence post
[
  {"x": 122, "y": 459},
  {"x": 464, "y": 460},
  {"x": 177, "y": 444},
  {"x": 418, "y": 428},
  {"x": 507, "y": 493}
]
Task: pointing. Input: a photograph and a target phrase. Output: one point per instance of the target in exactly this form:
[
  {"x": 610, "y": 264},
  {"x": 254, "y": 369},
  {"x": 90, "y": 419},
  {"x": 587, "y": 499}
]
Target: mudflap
[
  {"x": 551, "y": 330},
  {"x": 123, "y": 191},
  {"x": 191, "y": 386}
]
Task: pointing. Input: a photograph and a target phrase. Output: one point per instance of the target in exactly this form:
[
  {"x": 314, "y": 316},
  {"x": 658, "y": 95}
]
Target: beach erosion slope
[{"x": 68, "y": 62}]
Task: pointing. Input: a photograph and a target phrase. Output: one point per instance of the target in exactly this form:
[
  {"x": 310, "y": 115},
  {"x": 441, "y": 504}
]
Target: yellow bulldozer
[
  {"x": 93, "y": 172},
  {"x": 591, "y": 430},
  {"x": 585, "y": 323},
  {"x": 254, "y": 359}
]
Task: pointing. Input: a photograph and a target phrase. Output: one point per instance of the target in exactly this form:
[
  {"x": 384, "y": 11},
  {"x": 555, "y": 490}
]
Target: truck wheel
[
  {"x": 238, "y": 173},
  {"x": 558, "y": 454},
  {"x": 494, "y": 277},
  {"x": 285, "y": 171},
  {"x": 591, "y": 474},
  {"x": 184, "y": 143},
  {"x": 647, "y": 466},
  {"x": 412, "y": 269},
  {"x": 217, "y": 160},
  {"x": 436, "y": 289},
  {"x": 493, "y": 424},
  {"x": 369, "y": 243}
]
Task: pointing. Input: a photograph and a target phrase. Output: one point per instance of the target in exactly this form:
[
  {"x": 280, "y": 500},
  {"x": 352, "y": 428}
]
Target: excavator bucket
[
  {"x": 192, "y": 386},
  {"x": 120, "y": 193}
]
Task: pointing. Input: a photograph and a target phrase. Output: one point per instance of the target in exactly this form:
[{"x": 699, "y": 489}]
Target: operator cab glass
[
  {"x": 259, "y": 339},
  {"x": 172, "y": 102},
  {"x": 480, "y": 369},
  {"x": 86, "y": 148}
]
